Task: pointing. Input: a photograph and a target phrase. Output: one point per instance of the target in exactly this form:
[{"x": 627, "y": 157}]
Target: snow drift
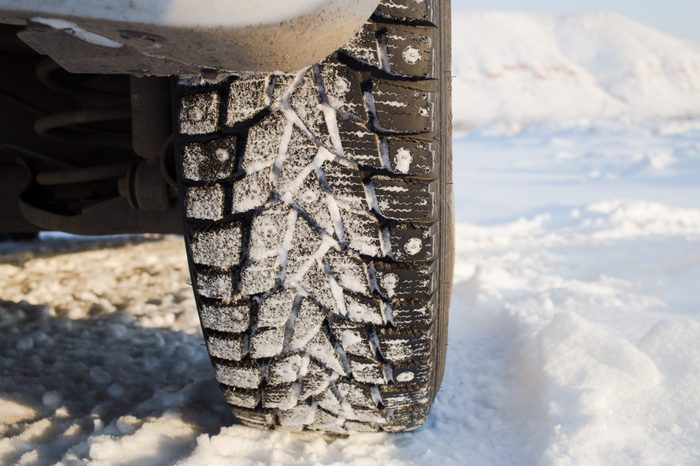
[{"x": 518, "y": 68}]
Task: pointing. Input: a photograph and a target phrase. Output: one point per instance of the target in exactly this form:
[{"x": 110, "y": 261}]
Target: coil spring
[{"x": 80, "y": 125}]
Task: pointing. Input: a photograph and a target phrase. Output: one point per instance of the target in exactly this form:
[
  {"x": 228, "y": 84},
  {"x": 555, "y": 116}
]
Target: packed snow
[{"x": 575, "y": 317}]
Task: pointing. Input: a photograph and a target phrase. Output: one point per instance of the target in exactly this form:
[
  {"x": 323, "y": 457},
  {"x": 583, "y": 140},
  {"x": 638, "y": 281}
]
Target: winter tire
[{"x": 318, "y": 224}]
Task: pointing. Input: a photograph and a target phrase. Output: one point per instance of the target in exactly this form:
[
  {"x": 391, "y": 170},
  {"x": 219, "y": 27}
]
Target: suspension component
[
  {"x": 82, "y": 175},
  {"x": 151, "y": 122},
  {"x": 145, "y": 188}
]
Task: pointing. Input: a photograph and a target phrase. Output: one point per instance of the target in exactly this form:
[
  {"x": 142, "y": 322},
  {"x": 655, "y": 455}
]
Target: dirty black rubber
[{"x": 318, "y": 220}]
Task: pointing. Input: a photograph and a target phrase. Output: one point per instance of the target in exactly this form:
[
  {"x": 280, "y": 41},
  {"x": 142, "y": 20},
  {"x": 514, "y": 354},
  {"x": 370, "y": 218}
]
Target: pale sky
[{"x": 678, "y": 17}]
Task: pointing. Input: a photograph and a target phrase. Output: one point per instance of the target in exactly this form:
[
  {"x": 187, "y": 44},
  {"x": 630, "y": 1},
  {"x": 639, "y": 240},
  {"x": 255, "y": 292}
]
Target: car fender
[{"x": 180, "y": 37}]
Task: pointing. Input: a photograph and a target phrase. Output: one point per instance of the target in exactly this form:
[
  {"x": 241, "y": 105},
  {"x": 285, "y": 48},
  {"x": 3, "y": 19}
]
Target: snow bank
[
  {"x": 574, "y": 339},
  {"x": 519, "y": 68}
]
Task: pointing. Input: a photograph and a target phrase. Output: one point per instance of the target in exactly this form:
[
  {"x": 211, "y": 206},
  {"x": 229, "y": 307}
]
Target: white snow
[
  {"x": 403, "y": 160},
  {"x": 519, "y": 67},
  {"x": 575, "y": 319}
]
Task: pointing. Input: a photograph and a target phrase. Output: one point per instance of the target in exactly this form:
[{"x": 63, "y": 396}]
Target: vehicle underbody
[
  {"x": 88, "y": 154},
  {"x": 86, "y": 140}
]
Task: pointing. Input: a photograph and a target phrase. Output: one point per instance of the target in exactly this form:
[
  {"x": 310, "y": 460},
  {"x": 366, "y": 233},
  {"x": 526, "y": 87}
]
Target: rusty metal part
[{"x": 161, "y": 49}]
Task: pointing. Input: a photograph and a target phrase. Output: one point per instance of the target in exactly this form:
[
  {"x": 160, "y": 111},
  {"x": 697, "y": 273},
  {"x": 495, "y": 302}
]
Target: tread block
[
  {"x": 297, "y": 417},
  {"x": 343, "y": 87},
  {"x": 412, "y": 243},
  {"x": 199, "y": 113},
  {"x": 357, "y": 426},
  {"x": 405, "y": 423},
  {"x": 263, "y": 142},
  {"x": 329, "y": 401},
  {"x": 350, "y": 272},
  {"x": 413, "y": 314},
  {"x": 397, "y": 398},
  {"x": 401, "y": 199},
  {"x": 353, "y": 337},
  {"x": 401, "y": 109},
  {"x": 281, "y": 396},
  {"x": 356, "y": 395},
  {"x": 362, "y": 232},
  {"x": 410, "y": 156},
  {"x": 363, "y": 47},
  {"x": 372, "y": 416},
  {"x": 398, "y": 347},
  {"x": 345, "y": 185},
  {"x": 267, "y": 232},
  {"x": 367, "y": 372},
  {"x": 276, "y": 307},
  {"x": 281, "y": 83},
  {"x": 231, "y": 347},
  {"x": 267, "y": 342},
  {"x": 209, "y": 161},
  {"x": 305, "y": 243},
  {"x": 411, "y": 374},
  {"x": 365, "y": 310},
  {"x": 242, "y": 375},
  {"x": 405, "y": 283},
  {"x": 204, "y": 202},
  {"x": 327, "y": 422},
  {"x": 300, "y": 154},
  {"x": 314, "y": 381},
  {"x": 306, "y": 102},
  {"x": 259, "y": 276},
  {"x": 233, "y": 318},
  {"x": 218, "y": 247},
  {"x": 312, "y": 200},
  {"x": 252, "y": 191},
  {"x": 360, "y": 144},
  {"x": 258, "y": 418},
  {"x": 307, "y": 324},
  {"x": 214, "y": 284},
  {"x": 241, "y": 397},
  {"x": 321, "y": 349},
  {"x": 418, "y": 10},
  {"x": 409, "y": 52},
  {"x": 246, "y": 98},
  {"x": 315, "y": 283},
  {"x": 285, "y": 370}
]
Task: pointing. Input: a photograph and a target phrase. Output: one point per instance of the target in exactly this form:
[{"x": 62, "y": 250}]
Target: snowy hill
[{"x": 518, "y": 67}]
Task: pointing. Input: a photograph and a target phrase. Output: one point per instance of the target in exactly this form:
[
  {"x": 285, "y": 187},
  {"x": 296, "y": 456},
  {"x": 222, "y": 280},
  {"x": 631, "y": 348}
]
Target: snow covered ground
[
  {"x": 574, "y": 329},
  {"x": 521, "y": 67}
]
